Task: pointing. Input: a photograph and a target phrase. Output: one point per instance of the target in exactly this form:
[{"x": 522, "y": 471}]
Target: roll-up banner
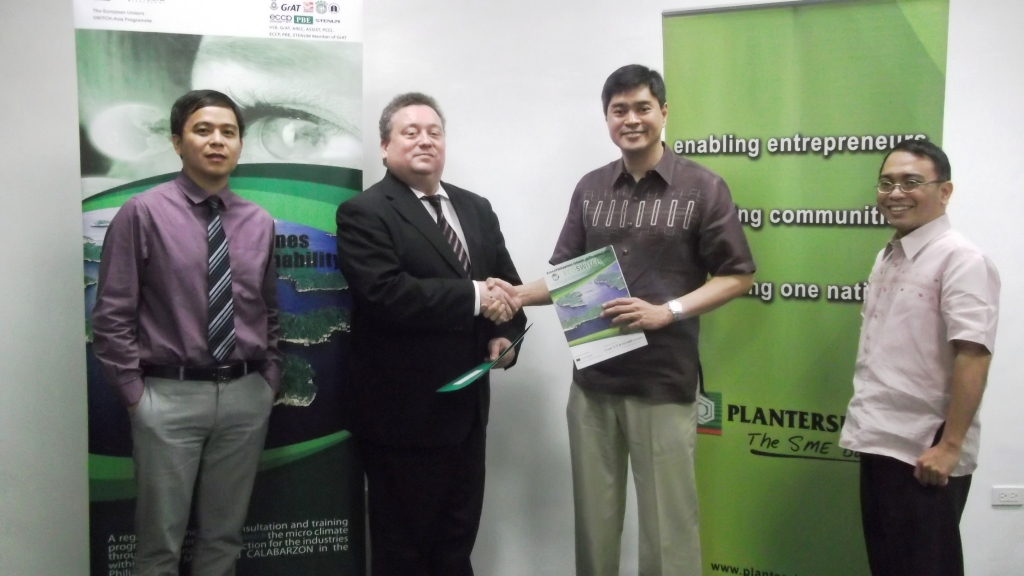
[
  {"x": 795, "y": 106},
  {"x": 295, "y": 69}
]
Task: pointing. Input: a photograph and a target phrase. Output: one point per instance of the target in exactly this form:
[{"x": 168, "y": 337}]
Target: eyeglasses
[{"x": 886, "y": 187}]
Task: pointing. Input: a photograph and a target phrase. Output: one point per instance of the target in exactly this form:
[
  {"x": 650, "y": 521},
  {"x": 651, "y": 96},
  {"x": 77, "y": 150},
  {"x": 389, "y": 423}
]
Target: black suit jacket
[{"x": 413, "y": 328}]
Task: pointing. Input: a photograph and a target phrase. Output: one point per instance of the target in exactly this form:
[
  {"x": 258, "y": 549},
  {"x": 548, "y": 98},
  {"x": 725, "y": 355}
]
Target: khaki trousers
[
  {"x": 202, "y": 435},
  {"x": 607, "y": 432}
]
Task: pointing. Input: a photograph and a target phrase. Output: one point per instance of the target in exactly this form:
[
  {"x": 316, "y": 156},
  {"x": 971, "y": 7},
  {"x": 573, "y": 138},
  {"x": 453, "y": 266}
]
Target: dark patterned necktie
[
  {"x": 449, "y": 233},
  {"x": 221, "y": 328}
]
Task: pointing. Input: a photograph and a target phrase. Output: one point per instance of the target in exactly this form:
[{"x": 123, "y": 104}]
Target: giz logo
[
  {"x": 280, "y": 18},
  {"x": 290, "y": 7},
  {"x": 307, "y": 6}
]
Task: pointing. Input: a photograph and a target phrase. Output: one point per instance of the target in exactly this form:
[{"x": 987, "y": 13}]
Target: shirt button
[{"x": 625, "y": 251}]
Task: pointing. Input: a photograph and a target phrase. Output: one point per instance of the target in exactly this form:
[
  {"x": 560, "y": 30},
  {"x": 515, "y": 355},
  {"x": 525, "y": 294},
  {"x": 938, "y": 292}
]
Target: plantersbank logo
[
  {"x": 302, "y": 19},
  {"x": 709, "y": 413}
]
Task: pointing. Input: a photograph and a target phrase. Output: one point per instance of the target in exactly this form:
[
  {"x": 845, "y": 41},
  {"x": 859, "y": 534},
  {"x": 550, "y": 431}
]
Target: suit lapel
[
  {"x": 414, "y": 211},
  {"x": 470, "y": 226}
]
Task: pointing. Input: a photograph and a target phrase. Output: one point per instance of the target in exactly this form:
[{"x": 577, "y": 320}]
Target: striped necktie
[
  {"x": 221, "y": 314},
  {"x": 449, "y": 233}
]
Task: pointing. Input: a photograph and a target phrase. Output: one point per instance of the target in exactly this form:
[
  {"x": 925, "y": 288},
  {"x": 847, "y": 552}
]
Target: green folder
[{"x": 471, "y": 376}]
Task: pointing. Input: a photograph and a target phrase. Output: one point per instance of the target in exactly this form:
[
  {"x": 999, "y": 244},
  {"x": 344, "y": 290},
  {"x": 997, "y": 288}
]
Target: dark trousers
[
  {"x": 910, "y": 529},
  {"x": 424, "y": 506}
]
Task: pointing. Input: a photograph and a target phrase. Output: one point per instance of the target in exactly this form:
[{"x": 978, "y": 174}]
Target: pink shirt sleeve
[{"x": 970, "y": 299}]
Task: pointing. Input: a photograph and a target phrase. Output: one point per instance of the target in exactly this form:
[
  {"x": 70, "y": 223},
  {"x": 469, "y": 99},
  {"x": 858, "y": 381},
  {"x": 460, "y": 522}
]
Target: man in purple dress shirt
[{"x": 186, "y": 328}]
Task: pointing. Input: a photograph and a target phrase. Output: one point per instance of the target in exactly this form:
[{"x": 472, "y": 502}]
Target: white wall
[
  {"x": 984, "y": 136},
  {"x": 43, "y": 500},
  {"x": 520, "y": 83}
]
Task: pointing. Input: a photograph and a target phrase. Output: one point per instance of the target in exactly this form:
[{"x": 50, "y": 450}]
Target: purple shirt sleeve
[
  {"x": 116, "y": 315},
  {"x": 272, "y": 368}
]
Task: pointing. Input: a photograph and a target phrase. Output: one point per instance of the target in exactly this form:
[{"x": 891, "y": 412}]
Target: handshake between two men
[{"x": 500, "y": 300}]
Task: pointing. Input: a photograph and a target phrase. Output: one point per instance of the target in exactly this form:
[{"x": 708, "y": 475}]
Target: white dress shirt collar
[
  {"x": 913, "y": 243},
  {"x": 440, "y": 193}
]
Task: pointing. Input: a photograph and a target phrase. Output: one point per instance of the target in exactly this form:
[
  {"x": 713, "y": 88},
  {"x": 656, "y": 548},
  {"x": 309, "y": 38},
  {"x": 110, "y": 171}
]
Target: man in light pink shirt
[{"x": 926, "y": 342}]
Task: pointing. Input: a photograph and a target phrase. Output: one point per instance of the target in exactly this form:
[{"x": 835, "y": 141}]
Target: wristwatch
[{"x": 676, "y": 309}]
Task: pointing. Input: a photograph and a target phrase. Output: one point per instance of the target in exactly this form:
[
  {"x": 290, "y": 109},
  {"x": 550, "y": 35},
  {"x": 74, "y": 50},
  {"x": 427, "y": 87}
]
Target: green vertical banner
[
  {"x": 795, "y": 105},
  {"x": 295, "y": 70}
]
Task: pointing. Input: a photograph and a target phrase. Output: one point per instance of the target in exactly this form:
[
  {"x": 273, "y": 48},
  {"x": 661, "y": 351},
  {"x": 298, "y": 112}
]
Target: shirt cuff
[
  {"x": 476, "y": 299},
  {"x": 271, "y": 372},
  {"x": 131, "y": 391}
]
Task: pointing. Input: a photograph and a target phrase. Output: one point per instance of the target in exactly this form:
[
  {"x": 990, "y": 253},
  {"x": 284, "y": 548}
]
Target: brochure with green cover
[{"x": 579, "y": 288}]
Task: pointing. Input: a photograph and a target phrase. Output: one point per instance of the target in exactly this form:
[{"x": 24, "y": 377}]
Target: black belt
[{"x": 203, "y": 373}]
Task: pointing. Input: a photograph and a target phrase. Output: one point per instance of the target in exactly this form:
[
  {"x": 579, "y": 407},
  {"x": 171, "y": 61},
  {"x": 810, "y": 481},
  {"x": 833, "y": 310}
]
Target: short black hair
[
  {"x": 630, "y": 77},
  {"x": 187, "y": 105},
  {"x": 403, "y": 101},
  {"x": 924, "y": 149}
]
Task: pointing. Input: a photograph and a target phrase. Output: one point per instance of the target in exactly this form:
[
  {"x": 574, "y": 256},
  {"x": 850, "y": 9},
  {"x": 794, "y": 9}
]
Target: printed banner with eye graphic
[
  {"x": 795, "y": 106},
  {"x": 295, "y": 69}
]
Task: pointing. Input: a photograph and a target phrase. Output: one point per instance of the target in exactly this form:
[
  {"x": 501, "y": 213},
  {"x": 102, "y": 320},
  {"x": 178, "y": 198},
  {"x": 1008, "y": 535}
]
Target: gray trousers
[
  {"x": 204, "y": 436},
  {"x": 606, "y": 434}
]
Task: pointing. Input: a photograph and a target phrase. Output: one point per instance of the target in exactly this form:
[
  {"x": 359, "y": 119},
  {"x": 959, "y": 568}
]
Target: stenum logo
[
  {"x": 303, "y": 19},
  {"x": 709, "y": 413}
]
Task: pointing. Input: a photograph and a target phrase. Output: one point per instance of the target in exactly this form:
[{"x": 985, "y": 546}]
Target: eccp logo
[
  {"x": 321, "y": 7},
  {"x": 709, "y": 413},
  {"x": 335, "y": 9},
  {"x": 303, "y": 19},
  {"x": 280, "y": 18},
  {"x": 307, "y": 6},
  {"x": 290, "y": 7}
]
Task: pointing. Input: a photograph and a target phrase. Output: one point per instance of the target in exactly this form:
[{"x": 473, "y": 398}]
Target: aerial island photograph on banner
[
  {"x": 795, "y": 106},
  {"x": 297, "y": 78},
  {"x": 579, "y": 289}
]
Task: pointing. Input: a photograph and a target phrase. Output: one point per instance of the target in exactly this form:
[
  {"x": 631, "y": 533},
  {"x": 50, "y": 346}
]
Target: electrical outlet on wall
[{"x": 1008, "y": 495}]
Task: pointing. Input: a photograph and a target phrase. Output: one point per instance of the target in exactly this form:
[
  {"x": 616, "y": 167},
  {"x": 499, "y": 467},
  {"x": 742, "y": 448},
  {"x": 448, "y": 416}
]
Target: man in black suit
[{"x": 415, "y": 252}]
